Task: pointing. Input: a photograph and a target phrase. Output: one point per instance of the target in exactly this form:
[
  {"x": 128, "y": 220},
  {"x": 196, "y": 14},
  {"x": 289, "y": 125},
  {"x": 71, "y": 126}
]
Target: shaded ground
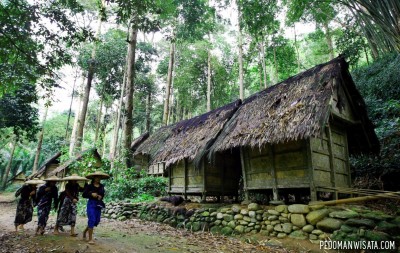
[{"x": 131, "y": 236}]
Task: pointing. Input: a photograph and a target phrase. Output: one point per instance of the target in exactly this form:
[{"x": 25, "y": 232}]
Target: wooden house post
[
  {"x": 243, "y": 163},
  {"x": 185, "y": 177},
  {"x": 331, "y": 160},
  {"x": 273, "y": 174},
  {"x": 170, "y": 180},
  {"x": 203, "y": 194},
  {"x": 313, "y": 192}
]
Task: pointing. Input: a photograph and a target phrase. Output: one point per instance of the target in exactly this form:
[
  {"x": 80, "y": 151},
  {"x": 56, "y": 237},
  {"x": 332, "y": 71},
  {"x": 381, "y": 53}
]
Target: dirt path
[{"x": 122, "y": 237}]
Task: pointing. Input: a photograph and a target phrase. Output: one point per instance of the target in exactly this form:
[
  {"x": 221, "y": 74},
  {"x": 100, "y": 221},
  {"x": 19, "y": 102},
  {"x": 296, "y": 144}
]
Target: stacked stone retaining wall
[{"x": 316, "y": 222}]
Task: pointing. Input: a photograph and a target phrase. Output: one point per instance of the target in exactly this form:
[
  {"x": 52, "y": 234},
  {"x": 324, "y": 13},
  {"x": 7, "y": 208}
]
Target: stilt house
[{"x": 298, "y": 134}]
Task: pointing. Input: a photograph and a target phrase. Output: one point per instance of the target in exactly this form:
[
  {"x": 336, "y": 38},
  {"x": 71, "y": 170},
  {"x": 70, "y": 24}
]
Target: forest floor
[{"x": 130, "y": 236}]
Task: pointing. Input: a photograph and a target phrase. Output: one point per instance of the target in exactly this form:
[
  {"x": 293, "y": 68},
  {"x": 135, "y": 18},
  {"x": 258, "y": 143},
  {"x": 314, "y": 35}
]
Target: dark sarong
[
  {"x": 24, "y": 212},
  {"x": 67, "y": 214},
  {"x": 43, "y": 215}
]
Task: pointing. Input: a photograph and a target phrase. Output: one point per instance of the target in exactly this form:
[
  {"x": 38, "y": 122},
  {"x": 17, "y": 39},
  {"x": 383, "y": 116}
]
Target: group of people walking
[{"x": 65, "y": 203}]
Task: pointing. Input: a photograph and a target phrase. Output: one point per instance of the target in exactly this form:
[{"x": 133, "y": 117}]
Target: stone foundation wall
[{"x": 352, "y": 223}]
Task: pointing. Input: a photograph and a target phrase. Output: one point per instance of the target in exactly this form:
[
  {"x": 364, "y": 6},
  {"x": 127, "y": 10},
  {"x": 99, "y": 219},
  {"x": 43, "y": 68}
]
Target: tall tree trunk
[
  {"x": 276, "y": 66},
  {"x": 103, "y": 133},
  {"x": 209, "y": 81},
  {"x": 264, "y": 67},
  {"x": 169, "y": 82},
  {"x": 148, "y": 111},
  {"x": 297, "y": 49},
  {"x": 8, "y": 168},
  {"x": 240, "y": 46},
  {"x": 329, "y": 41},
  {"x": 98, "y": 120},
  {"x": 39, "y": 146},
  {"x": 130, "y": 78},
  {"x": 70, "y": 105},
  {"x": 76, "y": 120},
  {"x": 85, "y": 100},
  {"x": 113, "y": 146}
]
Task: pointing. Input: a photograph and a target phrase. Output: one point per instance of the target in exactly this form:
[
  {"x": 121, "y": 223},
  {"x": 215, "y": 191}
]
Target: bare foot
[
  {"x": 91, "y": 242},
  {"x": 74, "y": 235},
  {"x": 56, "y": 233}
]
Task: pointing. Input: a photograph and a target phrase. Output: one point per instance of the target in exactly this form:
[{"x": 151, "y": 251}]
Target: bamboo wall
[
  {"x": 221, "y": 179},
  {"x": 276, "y": 166}
]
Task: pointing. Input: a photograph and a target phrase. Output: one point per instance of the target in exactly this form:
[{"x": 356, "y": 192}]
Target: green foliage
[
  {"x": 129, "y": 186},
  {"x": 350, "y": 42},
  {"x": 17, "y": 112},
  {"x": 379, "y": 84},
  {"x": 30, "y": 51}
]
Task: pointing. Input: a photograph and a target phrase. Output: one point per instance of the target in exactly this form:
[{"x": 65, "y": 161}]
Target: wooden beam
[
  {"x": 170, "y": 178},
  {"x": 244, "y": 168},
  {"x": 313, "y": 192},
  {"x": 273, "y": 173},
  {"x": 204, "y": 193},
  {"x": 331, "y": 157},
  {"x": 185, "y": 175},
  {"x": 348, "y": 161}
]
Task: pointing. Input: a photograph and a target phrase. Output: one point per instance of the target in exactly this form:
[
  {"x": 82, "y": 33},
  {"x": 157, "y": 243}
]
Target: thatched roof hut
[
  {"x": 193, "y": 137},
  {"x": 299, "y": 133},
  {"x": 48, "y": 166},
  {"x": 138, "y": 141},
  {"x": 154, "y": 143},
  {"x": 299, "y": 108},
  {"x": 61, "y": 170}
]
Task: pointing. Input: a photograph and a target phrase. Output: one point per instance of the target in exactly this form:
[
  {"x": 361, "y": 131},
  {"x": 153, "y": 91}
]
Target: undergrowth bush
[
  {"x": 379, "y": 84},
  {"x": 131, "y": 185}
]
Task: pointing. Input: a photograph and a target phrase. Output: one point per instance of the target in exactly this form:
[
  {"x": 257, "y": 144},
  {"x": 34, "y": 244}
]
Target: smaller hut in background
[
  {"x": 146, "y": 148},
  {"x": 18, "y": 179},
  {"x": 63, "y": 169},
  {"x": 47, "y": 167},
  {"x": 140, "y": 162},
  {"x": 184, "y": 154}
]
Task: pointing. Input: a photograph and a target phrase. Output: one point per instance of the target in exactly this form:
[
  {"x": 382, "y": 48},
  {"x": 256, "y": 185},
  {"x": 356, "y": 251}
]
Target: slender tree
[{"x": 39, "y": 145}]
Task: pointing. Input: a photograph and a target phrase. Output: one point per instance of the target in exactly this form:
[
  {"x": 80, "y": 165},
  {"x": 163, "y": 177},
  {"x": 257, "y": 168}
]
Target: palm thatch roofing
[
  {"x": 42, "y": 168},
  {"x": 193, "y": 137},
  {"x": 139, "y": 140},
  {"x": 154, "y": 143},
  {"x": 295, "y": 109},
  {"x": 92, "y": 151}
]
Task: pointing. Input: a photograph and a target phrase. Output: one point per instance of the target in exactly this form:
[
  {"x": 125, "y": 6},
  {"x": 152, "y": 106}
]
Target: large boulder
[
  {"x": 389, "y": 228},
  {"x": 329, "y": 224},
  {"x": 299, "y": 234},
  {"x": 287, "y": 228},
  {"x": 281, "y": 208},
  {"x": 315, "y": 216},
  {"x": 360, "y": 223},
  {"x": 376, "y": 235},
  {"x": 253, "y": 207},
  {"x": 236, "y": 209},
  {"x": 239, "y": 229},
  {"x": 308, "y": 228},
  {"x": 346, "y": 214},
  {"x": 298, "y": 220},
  {"x": 227, "y": 231},
  {"x": 299, "y": 208}
]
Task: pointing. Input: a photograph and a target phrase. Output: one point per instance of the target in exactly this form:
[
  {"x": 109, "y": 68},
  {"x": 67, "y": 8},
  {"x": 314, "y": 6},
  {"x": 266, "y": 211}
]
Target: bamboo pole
[{"x": 357, "y": 199}]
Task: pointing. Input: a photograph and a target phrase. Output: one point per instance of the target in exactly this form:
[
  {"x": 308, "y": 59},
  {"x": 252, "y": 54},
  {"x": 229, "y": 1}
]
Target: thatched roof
[
  {"x": 294, "y": 109},
  {"x": 154, "y": 143},
  {"x": 42, "y": 168},
  {"x": 78, "y": 157},
  {"x": 191, "y": 138},
  {"x": 139, "y": 140}
]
